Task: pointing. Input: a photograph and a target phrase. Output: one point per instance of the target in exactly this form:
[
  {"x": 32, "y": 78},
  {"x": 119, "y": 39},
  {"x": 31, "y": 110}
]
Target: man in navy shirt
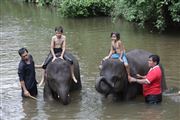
[{"x": 27, "y": 75}]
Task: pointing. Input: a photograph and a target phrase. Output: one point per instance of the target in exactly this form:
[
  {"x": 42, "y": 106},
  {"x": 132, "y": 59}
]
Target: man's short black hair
[
  {"x": 22, "y": 50},
  {"x": 59, "y": 29},
  {"x": 155, "y": 58},
  {"x": 117, "y": 35}
]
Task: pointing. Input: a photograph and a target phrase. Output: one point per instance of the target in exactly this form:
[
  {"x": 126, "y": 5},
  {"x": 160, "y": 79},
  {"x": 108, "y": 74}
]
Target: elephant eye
[{"x": 115, "y": 78}]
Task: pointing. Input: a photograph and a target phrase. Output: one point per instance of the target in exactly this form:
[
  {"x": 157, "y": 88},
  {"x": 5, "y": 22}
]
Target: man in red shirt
[{"x": 152, "y": 81}]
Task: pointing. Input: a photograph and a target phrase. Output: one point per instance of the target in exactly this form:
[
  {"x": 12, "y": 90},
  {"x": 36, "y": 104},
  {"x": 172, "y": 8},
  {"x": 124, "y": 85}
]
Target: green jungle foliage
[
  {"x": 158, "y": 14},
  {"x": 51, "y": 2},
  {"x": 85, "y": 8},
  {"x": 81, "y": 8}
]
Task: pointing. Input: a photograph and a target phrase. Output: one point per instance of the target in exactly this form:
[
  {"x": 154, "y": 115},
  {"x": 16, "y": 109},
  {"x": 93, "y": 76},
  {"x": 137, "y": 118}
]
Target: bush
[
  {"x": 49, "y": 2},
  {"x": 86, "y": 8},
  {"x": 160, "y": 14}
]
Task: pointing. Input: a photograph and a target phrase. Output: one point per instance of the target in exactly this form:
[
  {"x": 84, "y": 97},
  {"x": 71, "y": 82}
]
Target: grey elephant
[
  {"x": 113, "y": 80},
  {"x": 58, "y": 80}
]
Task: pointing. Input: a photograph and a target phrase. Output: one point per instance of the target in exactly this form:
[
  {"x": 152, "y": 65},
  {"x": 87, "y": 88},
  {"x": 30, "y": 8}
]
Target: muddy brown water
[{"x": 29, "y": 26}]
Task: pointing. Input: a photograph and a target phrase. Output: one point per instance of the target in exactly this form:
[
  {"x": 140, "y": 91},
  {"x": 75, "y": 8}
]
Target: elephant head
[
  {"x": 113, "y": 78},
  {"x": 58, "y": 81}
]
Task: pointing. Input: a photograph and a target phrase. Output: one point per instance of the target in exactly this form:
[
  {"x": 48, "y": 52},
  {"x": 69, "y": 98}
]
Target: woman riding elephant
[
  {"x": 117, "y": 51},
  {"x": 113, "y": 78}
]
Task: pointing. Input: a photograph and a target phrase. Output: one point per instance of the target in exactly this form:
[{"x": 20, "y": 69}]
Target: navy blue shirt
[{"x": 27, "y": 73}]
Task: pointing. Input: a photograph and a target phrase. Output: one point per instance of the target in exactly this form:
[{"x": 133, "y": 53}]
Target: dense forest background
[{"x": 161, "y": 15}]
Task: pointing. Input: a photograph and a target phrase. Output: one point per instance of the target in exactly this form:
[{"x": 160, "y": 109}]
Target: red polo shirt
[{"x": 154, "y": 76}]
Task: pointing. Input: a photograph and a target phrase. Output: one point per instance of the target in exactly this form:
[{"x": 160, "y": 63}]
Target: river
[{"x": 26, "y": 25}]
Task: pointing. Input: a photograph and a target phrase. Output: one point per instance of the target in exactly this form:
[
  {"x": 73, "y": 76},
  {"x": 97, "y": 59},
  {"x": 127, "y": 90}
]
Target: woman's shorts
[{"x": 116, "y": 56}]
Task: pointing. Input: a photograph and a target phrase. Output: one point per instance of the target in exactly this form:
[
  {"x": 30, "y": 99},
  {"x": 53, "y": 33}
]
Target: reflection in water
[
  {"x": 151, "y": 112},
  {"x": 24, "y": 25},
  {"x": 29, "y": 108}
]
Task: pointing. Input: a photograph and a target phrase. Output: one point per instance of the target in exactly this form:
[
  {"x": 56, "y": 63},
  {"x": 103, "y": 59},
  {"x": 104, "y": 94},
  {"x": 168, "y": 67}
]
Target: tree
[{"x": 160, "y": 14}]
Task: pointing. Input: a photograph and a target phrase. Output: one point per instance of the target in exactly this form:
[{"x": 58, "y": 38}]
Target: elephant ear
[{"x": 118, "y": 83}]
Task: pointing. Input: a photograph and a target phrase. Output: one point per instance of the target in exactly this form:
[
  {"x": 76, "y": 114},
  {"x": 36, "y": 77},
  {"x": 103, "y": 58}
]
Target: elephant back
[
  {"x": 112, "y": 67},
  {"x": 57, "y": 67},
  {"x": 138, "y": 61}
]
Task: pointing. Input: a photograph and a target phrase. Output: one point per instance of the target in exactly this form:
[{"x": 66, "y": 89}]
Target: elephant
[
  {"x": 113, "y": 79},
  {"x": 58, "y": 80}
]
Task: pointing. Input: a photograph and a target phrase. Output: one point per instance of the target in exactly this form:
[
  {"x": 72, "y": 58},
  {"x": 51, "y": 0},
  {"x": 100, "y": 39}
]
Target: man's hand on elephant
[
  {"x": 138, "y": 75},
  {"x": 132, "y": 79}
]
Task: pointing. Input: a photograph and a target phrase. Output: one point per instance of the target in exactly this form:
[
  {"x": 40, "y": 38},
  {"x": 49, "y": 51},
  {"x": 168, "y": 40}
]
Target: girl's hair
[
  {"x": 59, "y": 29},
  {"x": 22, "y": 50},
  {"x": 117, "y": 35}
]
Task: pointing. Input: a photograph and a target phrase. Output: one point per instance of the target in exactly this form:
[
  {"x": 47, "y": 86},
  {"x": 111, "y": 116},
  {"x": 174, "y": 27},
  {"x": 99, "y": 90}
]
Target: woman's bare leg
[{"x": 128, "y": 72}]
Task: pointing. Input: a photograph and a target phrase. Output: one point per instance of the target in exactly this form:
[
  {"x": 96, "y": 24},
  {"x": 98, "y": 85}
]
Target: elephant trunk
[
  {"x": 97, "y": 85},
  {"x": 64, "y": 96},
  {"x": 103, "y": 86}
]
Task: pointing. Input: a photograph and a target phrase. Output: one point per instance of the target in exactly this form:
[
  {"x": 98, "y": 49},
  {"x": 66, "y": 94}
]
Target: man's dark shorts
[
  {"x": 153, "y": 99},
  {"x": 50, "y": 57}
]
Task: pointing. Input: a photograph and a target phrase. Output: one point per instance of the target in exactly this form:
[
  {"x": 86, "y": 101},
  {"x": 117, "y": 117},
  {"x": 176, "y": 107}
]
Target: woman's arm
[
  {"x": 110, "y": 52},
  {"x": 121, "y": 47}
]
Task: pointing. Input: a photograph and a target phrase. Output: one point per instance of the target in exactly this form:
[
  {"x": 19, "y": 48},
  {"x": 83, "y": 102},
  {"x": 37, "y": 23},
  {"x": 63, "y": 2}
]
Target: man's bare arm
[{"x": 26, "y": 92}]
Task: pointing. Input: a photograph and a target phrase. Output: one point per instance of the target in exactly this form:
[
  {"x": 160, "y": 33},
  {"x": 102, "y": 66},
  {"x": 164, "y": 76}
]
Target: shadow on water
[{"x": 24, "y": 25}]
